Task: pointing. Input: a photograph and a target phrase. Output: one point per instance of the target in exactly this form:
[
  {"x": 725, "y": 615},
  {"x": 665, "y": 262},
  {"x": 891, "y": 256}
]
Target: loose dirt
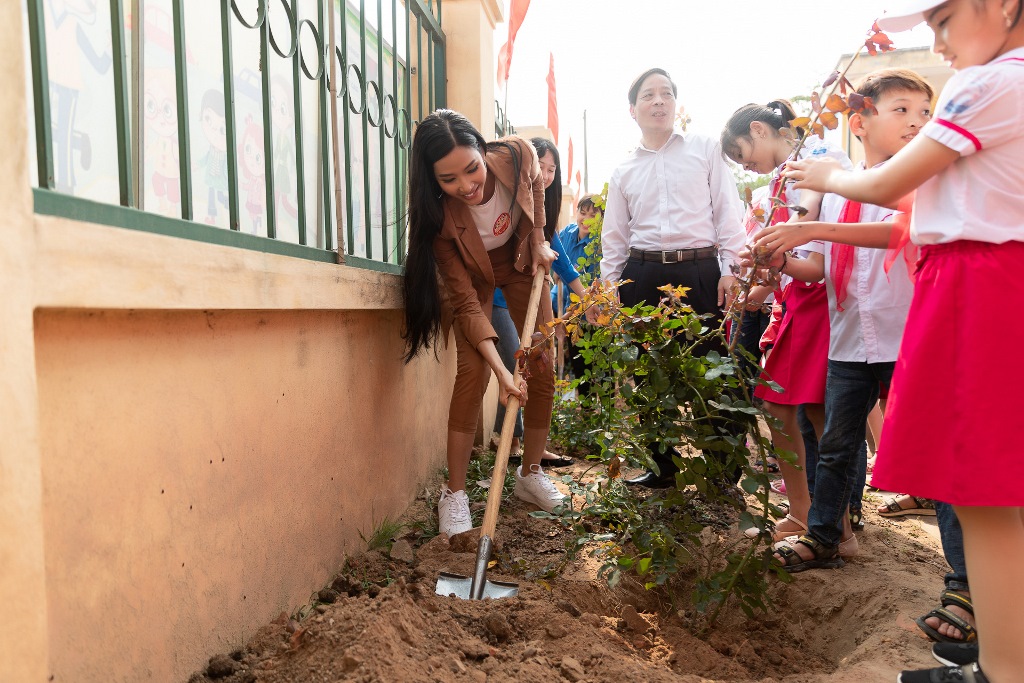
[{"x": 380, "y": 620}]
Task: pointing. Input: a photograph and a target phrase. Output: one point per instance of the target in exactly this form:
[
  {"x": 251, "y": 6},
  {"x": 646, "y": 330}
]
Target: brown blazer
[{"x": 462, "y": 259}]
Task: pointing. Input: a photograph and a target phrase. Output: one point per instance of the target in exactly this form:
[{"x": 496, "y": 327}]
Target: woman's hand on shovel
[
  {"x": 543, "y": 257},
  {"x": 507, "y": 388}
]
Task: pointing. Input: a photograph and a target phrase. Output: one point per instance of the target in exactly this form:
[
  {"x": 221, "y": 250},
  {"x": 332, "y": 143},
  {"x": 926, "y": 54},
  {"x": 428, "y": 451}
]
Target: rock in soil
[{"x": 221, "y": 666}]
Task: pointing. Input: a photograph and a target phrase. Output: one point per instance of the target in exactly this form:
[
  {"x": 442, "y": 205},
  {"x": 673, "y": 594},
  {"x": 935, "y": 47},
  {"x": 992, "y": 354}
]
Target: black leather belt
[{"x": 674, "y": 256}]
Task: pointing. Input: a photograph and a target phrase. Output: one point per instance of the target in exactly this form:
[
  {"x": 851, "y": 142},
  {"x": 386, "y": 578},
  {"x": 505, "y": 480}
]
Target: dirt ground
[{"x": 380, "y": 620}]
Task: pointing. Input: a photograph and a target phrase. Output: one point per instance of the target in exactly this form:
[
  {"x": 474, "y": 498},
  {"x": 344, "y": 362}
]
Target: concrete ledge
[{"x": 85, "y": 265}]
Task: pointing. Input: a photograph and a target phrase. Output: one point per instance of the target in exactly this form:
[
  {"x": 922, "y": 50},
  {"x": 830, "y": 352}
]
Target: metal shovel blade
[
  {"x": 459, "y": 586},
  {"x": 477, "y": 587}
]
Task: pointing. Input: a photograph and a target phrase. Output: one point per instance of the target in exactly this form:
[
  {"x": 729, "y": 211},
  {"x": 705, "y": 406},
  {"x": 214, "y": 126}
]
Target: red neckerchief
[
  {"x": 781, "y": 214},
  {"x": 843, "y": 255},
  {"x": 900, "y": 240}
]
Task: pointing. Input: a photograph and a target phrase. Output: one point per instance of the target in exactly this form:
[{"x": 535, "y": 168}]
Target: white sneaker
[
  {"x": 453, "y": 512},
  {"x": 536, "y": 488}
]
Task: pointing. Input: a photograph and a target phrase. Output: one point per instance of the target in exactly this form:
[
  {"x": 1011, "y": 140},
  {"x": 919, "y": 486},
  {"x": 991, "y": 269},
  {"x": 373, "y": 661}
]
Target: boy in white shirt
[{"x": 867, "y": 311}]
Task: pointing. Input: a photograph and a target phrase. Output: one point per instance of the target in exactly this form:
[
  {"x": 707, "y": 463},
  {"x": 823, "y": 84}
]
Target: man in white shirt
[{"x": 672, "y": 217}]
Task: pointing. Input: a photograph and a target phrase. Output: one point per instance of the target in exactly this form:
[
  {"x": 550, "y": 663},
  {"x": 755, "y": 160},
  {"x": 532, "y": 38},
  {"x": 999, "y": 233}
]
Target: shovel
[{"x": 478, "y": 587}]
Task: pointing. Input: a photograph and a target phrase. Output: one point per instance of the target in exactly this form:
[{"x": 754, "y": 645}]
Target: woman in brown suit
[{"x": 476, "y": 218}]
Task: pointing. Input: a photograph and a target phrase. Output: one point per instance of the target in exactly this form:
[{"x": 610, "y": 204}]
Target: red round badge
[{"x": 502, "y": 223}]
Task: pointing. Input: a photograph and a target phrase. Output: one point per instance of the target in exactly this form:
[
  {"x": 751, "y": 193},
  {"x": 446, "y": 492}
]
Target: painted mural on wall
[{"x": 82, "y": 102}]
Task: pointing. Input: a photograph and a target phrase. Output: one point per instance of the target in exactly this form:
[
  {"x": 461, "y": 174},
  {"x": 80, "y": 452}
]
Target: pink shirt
[{"x": 979, "y": 196}]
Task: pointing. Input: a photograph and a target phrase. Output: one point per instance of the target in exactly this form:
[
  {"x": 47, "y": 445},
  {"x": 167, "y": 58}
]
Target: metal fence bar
[
  {"x": 137, "y": 106},
  {"x": 121, "y": 109},
  {"x": 268, "y": 128},
  {"x": 41, "y": 93},
  {"x": 181, "y": 78},
  {"x": 419, "y": 68},
  {"x": 346, "y": 107},
  {"x": 300, "y": 170},
  {"x": 230, "y": 145},
  {"x": 399, "y": 151},
  {"x": 437, "y": 71},
  {"x": 325, "y": 140},
  {"x": 381, "y": 99},
  {"x": 364, "y": 82}
]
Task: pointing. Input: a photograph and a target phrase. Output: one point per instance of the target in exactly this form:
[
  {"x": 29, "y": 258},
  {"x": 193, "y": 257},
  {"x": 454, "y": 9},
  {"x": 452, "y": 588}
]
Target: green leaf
[{"x": 750, "y": 485}]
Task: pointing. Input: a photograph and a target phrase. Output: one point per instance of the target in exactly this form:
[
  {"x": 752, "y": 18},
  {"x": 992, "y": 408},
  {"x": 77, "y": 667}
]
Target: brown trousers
[{"x": 474, "y": 373}]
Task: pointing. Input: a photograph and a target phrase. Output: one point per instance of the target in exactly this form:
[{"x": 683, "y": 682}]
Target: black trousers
[{"x": 702, "y": 277}]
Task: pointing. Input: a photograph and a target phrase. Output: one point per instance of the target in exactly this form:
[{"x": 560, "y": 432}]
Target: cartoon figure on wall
[
  {"x": 64, "y": 21},
  {"x": 162, "y": 137},
  {"x": 214, "y": 163},
  {"x": 283, "y": 122},
  {"x": 250, "y": 152}
]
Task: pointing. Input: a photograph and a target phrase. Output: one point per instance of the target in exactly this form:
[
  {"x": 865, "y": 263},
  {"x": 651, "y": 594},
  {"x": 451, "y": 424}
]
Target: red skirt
[
  {"x": 953, "y": 417},
  {"x": 799, "y": 360}
]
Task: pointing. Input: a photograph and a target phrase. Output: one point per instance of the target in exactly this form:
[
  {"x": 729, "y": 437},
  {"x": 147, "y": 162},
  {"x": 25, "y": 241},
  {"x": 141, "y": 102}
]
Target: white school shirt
[
  {"x": 681, "y": 196},
  {"x": 814, "y": 148},
  {"x": 979, "y": 196},
  {"x": 870, "y": 326},
  {"x": 493, "y": 228}
]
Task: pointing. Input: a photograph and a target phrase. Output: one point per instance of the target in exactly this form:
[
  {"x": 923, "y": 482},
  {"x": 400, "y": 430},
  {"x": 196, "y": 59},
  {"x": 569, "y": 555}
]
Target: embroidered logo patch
[
  {"x": 965, "y": 99},
  {"x": 501, "y": 223}
]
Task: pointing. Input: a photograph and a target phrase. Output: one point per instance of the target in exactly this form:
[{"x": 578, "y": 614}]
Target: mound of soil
[{"x": 381, "y": 621}]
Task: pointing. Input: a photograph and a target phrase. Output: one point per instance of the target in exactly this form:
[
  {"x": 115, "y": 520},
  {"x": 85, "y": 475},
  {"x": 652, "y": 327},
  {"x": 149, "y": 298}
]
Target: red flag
[
  {"x": 579, "y": 188},
  {"x": 552, "y": 100},
  {"x": 516, "y": 14},
  {"x": 569, "y": 172}
]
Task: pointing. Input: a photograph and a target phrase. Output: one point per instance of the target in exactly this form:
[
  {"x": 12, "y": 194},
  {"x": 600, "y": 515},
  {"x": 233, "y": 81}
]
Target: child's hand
[
  {"x": 783, "y": 237},
  {"x": 812, "y": 174},
  {"x": 748, "y": 259}
]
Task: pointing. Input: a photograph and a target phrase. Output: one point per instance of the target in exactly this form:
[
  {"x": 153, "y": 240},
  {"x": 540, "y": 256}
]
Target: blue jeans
[
  {"x": 508, "y": 344},
  {"x": 952, "y": 546},
  {"x": 851, "y": 391},
  {"x": 810, "y": 446}
]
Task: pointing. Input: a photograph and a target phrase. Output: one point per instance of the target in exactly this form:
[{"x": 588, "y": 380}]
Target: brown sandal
[
  {"x": 892, "y": 508},
  {"x": 825, "y": 557}
]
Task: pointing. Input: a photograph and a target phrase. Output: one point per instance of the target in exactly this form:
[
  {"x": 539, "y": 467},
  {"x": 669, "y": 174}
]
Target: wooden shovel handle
[{"x": 508, "y": 426}]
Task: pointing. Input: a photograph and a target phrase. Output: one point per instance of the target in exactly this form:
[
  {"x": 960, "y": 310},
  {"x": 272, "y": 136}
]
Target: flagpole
[{"x": 586, "y": 175}]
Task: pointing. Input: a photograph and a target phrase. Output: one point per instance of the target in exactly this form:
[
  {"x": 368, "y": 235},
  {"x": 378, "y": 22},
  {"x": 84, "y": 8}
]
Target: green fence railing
[{"x": 212, "y": 121}]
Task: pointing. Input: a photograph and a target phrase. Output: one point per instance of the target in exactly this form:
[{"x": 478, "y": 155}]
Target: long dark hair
[
  {"x": 436, "y": 136},
  {"x": 552, "y": 193},
  {"x": 776, "y": 115}
]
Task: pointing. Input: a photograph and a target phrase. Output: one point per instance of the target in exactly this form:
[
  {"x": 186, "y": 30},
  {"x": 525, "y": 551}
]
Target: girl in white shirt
[
  {"x": 947, "y": 430},
  {"x": 759, "y": 139}
]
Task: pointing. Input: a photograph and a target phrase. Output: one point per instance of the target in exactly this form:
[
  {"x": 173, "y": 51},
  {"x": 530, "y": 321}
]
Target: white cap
[{"x": 905, "y": 15}]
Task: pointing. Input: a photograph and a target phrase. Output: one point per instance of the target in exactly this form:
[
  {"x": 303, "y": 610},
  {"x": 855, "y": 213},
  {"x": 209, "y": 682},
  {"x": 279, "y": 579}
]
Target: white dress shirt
[
  {"x": 870, "y": 326},
  {"x": 681, "y": 196},
  {"x": 978, "y": 197}
]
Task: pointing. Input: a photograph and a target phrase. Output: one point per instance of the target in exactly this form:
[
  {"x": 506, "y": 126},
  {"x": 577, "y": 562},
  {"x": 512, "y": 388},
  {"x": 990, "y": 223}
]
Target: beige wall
[
  {"x": 24, "y": 645},
  {"x": 131, "y": 361}
]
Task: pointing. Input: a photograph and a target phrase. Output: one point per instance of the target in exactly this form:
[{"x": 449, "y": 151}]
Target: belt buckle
[{"x": 664, "y": 257}]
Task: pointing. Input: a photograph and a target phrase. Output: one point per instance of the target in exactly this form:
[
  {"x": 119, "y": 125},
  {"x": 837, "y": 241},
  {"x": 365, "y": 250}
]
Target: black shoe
[
  {"x": 651, "y": 480},
  {"x": 556, "y": 462},
  {"x": 969, "y": 673},
  {"x": 955, "y": 654}
]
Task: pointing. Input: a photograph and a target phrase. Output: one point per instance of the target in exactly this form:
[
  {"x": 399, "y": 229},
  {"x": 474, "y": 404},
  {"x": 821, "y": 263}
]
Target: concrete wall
[{"x": 194, "y": 436}]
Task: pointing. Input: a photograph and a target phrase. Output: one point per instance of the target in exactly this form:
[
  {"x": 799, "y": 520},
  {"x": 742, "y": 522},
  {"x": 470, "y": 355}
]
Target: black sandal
[
  {"x": 769, "y": 468},
  {"x": 857, "y": 518},
  {"x": 949, "y": 598},
  {"x": 825, "y": 557},
  {"x": 969, "y": 673}
]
